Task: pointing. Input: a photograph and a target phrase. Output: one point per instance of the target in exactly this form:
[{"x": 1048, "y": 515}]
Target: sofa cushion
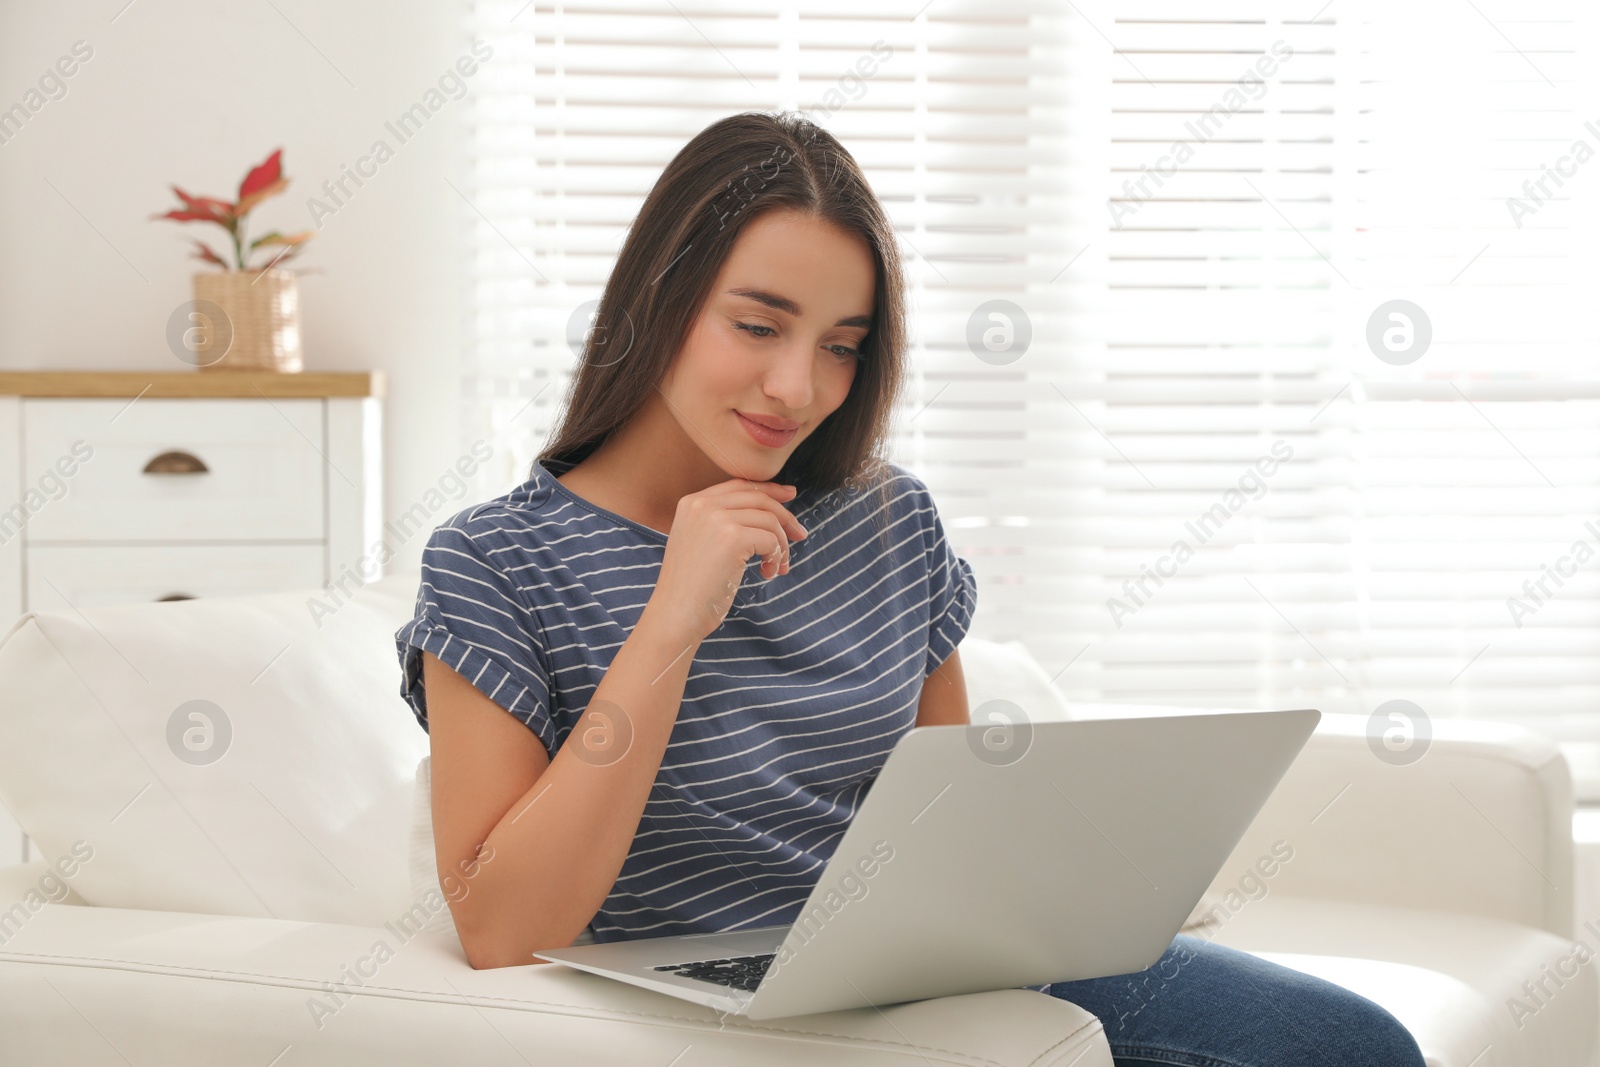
[
  {"x": 1455, "y": 981},
  {"x": 1006, "y": 670},
  {"x": 424, "y": 863},
  {"x": 190, "y": 990},
  {"x": 230, "y": 755}
]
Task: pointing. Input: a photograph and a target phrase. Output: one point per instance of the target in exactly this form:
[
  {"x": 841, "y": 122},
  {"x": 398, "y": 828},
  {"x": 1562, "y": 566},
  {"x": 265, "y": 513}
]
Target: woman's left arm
[{"x": 944, "y": 695}]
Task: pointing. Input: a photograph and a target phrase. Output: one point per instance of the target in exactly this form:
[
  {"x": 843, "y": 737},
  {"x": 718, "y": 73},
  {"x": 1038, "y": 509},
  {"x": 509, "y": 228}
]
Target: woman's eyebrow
[{"x": 783, "y": 303}]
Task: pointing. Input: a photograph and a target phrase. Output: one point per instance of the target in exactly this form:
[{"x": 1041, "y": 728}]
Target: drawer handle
[
  {"x": 174, "y": 596},
  {"x": 176, "y": 463}
]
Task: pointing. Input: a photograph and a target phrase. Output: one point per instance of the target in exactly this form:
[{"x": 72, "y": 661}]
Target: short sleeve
[
  {"x": 952, "y": 587},
  {"x": 475, "y": 619}
]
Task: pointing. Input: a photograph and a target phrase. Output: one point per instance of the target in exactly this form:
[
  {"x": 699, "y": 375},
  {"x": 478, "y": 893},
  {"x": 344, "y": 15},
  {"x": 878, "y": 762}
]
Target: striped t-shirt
[{"x": 791, "y": 706}]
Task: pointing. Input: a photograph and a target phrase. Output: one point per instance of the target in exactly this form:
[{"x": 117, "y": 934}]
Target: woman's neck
[{"x": 644, "y": 468}]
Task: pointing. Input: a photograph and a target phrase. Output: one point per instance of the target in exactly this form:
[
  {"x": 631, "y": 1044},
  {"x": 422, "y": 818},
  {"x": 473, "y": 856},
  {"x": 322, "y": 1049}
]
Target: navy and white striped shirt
[{"x": 791, "y": 706}]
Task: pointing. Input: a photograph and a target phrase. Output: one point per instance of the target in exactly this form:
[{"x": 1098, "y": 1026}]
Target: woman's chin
[{"x": 755, "y": 462}]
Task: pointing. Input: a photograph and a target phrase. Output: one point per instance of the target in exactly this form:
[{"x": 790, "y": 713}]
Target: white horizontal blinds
[
  {"x": 1196, "y": 254},
  {"x": 956, "y": 112},
  {"x": 1218, "y": 313},
  {"x": 510, "y": 375},
  {"x": 1481, "y": 460},
  {"x": 1374, "y": 165},
  {"x": 566, "y": 146},
  {"x": 968, "y": 137}
]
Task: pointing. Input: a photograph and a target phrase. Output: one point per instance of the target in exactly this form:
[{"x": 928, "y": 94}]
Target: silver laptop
[{"x": 993, "y": 857}]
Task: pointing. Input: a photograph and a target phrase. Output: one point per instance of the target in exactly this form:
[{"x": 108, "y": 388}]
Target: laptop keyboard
[{"x": 739, "y": 972}]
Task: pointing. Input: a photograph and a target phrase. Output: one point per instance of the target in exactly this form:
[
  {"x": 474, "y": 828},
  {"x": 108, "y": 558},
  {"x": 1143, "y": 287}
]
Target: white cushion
[
  {"x": 424, "y": 866},
  {"x": 1451, "y": 979},
  {"x": 304, "y": 815},
  {"x": 1006, "y": 670}
]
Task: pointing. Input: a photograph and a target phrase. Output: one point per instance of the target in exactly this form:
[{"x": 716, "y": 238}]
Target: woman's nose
[{"x": 789, "y": 379}]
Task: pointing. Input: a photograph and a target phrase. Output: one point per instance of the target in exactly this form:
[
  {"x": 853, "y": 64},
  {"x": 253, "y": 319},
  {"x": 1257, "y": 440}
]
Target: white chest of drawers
[{"x": 156, "y": 486}]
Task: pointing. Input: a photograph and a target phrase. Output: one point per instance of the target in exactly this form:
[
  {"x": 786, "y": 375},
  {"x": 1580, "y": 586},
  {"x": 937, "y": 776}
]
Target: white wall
[{"x": 194, "y": 92}]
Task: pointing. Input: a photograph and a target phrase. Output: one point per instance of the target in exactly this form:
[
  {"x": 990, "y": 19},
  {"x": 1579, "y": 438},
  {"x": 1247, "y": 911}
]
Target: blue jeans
[{"x": 1207, "y": 1005}]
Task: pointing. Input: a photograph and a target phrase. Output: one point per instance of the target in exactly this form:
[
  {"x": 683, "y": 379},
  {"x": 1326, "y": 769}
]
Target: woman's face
[{"x": 776, "y": 341}]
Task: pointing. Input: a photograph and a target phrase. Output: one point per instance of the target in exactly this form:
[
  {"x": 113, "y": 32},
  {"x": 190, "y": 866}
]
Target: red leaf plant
[{"x": 263, "y": 181}]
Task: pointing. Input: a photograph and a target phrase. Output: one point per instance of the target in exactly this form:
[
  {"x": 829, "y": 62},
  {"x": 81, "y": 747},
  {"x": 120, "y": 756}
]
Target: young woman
[{"x": 661, "y": 674}]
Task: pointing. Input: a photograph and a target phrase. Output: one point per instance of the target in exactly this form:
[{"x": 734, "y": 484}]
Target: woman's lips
[{"x": 763, "y": 435}]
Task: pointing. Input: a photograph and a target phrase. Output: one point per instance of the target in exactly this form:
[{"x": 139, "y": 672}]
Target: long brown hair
[{"x": 731, "y": 172}]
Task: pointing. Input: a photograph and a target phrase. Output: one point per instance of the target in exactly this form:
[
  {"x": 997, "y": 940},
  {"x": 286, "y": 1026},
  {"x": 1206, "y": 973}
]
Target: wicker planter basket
[{"x": 258, "y": 328}]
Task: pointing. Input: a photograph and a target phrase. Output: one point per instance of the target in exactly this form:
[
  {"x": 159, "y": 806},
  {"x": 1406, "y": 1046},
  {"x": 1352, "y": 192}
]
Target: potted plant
[{"x": 248, "y": 314}]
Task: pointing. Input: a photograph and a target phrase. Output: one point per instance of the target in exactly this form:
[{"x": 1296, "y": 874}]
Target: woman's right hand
[{"x": 714, "y": 533}]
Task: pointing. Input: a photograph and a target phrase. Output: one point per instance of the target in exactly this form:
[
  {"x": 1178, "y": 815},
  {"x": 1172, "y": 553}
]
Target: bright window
[{"x": 1255, "y": 354}]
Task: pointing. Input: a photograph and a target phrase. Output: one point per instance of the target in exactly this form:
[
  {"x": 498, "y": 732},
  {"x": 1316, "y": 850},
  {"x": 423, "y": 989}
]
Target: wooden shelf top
[{"x": 193, "y": 383}]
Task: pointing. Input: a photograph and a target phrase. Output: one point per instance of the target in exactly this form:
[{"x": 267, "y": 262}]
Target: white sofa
[{"x": 222, "y": 792}]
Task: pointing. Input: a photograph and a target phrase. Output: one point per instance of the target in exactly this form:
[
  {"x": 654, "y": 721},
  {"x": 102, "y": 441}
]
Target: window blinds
[
  {"x": 1336, "y": 270},
  {"x": 1148, "y": 241},
  {"x": 955, "y": 110}
]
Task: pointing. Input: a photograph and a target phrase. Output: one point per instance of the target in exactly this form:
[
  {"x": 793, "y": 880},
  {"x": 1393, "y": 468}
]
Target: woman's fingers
[
  {"x": 740, "y": 496},
  {"x": 766, "y": 538}
]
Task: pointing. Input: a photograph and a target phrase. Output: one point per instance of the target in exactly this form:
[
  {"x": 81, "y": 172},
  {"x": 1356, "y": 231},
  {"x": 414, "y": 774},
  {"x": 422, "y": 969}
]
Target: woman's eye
[{"x": 754, "y": 328}]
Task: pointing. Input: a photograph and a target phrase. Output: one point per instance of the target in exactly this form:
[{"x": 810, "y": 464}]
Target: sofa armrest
[
  {"x": 178, "y": 989},
  {"x": 1480, "y": 824}
]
